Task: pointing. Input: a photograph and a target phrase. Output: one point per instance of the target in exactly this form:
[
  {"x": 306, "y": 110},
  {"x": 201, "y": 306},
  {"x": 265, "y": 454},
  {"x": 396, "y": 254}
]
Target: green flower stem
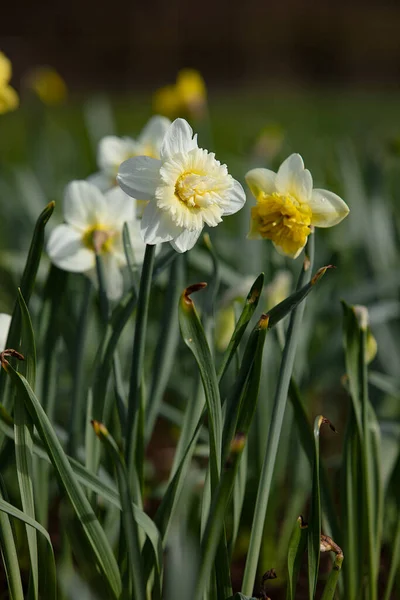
[
  {"x": 138, "y": 357},
  {"x": 275, "y": 429}
]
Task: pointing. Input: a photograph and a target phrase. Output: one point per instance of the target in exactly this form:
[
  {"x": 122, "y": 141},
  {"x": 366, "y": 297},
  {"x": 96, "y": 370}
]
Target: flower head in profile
[
  {"x": 187, "y": 96},
  {"x": 8, "y": 96},
  {"x": 113, "y": 151},
  {"x": 5, "y": 322},
  {"x": 93, "y": 226},
  {"x": 288, "y": 206},
  {"x": 187, "y": 189},
  {"x": 47, "y": 84}
]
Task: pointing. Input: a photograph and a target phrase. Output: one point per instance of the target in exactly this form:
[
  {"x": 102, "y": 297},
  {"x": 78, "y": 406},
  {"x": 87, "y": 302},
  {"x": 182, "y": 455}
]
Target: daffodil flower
[
  {"x": 288, "y": 206},
  {"x": 48, "y": 84},
  {"x": 93, "y": 225},
  {"x": 8, "y": 96},
  {"x": 5, "y": 322},
  {"x": 113, "y": 151},
  {"x": 187, "y": 188},
  {"x": 188, "y": 96}
]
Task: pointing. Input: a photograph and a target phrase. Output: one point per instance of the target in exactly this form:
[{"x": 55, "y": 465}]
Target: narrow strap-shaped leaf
[
  {"x": 166, "y": 345},
  {"x": 314, "y": 526},
  {"x": 249, "y": 308},
  {"x": 130, "y": 529},
  {"x": 23, "y": 429},
  {"x": 27, "y": 285},
  {"x": 95, "y": 535},
  {"x": 297, "y": 547},
  {"x": 215, "y": 522},
  {"x": 49, "y": 591},
  {"x": 9, "y": 554},
  {"x": 194, "y": 337},
  {"x": 281, "y": 393},
  {"x": 331, "y": 584}
]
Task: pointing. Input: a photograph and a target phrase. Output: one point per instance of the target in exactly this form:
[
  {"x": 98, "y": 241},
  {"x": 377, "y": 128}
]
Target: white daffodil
[
  {"x": 5, "y": 322},
  {"x": 287, "y": 206},
  {"x": 93, "y": 225},
  {"x": 113, "y": 151},
  {"x": 187, "y": 189}
]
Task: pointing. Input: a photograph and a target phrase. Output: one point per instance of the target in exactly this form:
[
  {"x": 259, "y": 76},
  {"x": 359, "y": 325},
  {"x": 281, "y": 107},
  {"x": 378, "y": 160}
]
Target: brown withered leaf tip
[
  {"x": 191, "y": 289},
  {"x": 263, "y": 321},
  {"x": 303, "y": 523},
  {"x": 320, "y": 273},
  {"x": 9, "y": 353},
  {"x": 327, "y": 545},
  {"x": 271, "y": 574},
  {"x": 326, "y": 421}
]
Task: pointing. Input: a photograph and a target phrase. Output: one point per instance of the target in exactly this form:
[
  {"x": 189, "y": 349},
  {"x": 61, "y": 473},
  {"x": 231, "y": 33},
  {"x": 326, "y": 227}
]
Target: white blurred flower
[
  {"x": 113, "y": 151},
  {"x": 287, "y": 206},
  {"x": 93, "y": 225},
  {"x": 5, "y": 322},
  {"x": 187, "y": 189}
]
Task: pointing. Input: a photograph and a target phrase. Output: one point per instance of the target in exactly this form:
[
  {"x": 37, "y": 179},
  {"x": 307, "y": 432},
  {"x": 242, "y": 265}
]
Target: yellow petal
[
  {"x": 166, "y": 102},
  {"x": 48, "y": 85},
  {"x": 5, "y": 69},
  {"x": 8, "y": 99}
]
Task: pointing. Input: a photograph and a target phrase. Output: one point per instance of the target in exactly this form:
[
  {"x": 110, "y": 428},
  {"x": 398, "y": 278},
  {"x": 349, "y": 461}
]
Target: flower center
[
  {"x": 99, "y": 239},
  {"x": 194, "y": 189},
  {"x": 282, "y": 219}
]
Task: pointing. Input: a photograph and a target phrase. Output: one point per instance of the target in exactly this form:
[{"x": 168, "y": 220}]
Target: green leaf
[
  {"x": 130, "y": 530},
  {"x": 297, "y": 546},
  {"x": 249, "y": 308},
  {"x": 23, "y": 430},
  {"x": 9, "y": 553},
  {"x": 331, "y": 584},
  {"x": 215, "y": 522},
  {"x": 27, "y": 285},
  {"x": 279, "y": 406},
  {"x": 49, "y": 588},
  {"x": 102, "y": 553},
  {"x": 194, "y": 337},
  {"x": 314, "y": 526}
]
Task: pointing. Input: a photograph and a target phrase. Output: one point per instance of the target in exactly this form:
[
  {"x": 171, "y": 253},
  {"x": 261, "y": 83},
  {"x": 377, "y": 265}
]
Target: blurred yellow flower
[
  {"x": 187, "y": 97},
  {"x": 48, "y": 85},
  {"x": 8, "y": 96}
]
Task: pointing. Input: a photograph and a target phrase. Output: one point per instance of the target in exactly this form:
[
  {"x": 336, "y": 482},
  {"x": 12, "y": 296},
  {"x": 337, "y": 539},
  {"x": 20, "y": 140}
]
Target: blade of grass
[{"x": 331, "y": 584}]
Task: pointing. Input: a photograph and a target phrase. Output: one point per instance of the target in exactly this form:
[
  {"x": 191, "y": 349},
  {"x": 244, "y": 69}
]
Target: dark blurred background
[{"x": 128, "y": 45}]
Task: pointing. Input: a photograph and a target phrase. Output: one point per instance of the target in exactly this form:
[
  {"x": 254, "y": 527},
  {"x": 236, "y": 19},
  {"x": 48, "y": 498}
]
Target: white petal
[
  {"x": 137, "y": 243},
  {"x": 102, "y": 181},
  {"x": 186, "y": 240},
  {"x": 66, "y": 250},
  {"x": 178, "y": 139},
  {"x": 84, "y": 205},
  {"x": 112, "y": 151},
  {"x": 120, "y": 207},
  {"x": 140, "y": 176},
  {"x": 328, "y": 209},
  {"x": 5, "y": 322},
  {"x": 154, "y": 132},
  {"x": 261, "y": 180},
  {"x": 114, "y": 282},
  {"x": 237, "y": 198},
  {"x": 292, "y": 178},
  {"x": 156, "y": 225}
]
